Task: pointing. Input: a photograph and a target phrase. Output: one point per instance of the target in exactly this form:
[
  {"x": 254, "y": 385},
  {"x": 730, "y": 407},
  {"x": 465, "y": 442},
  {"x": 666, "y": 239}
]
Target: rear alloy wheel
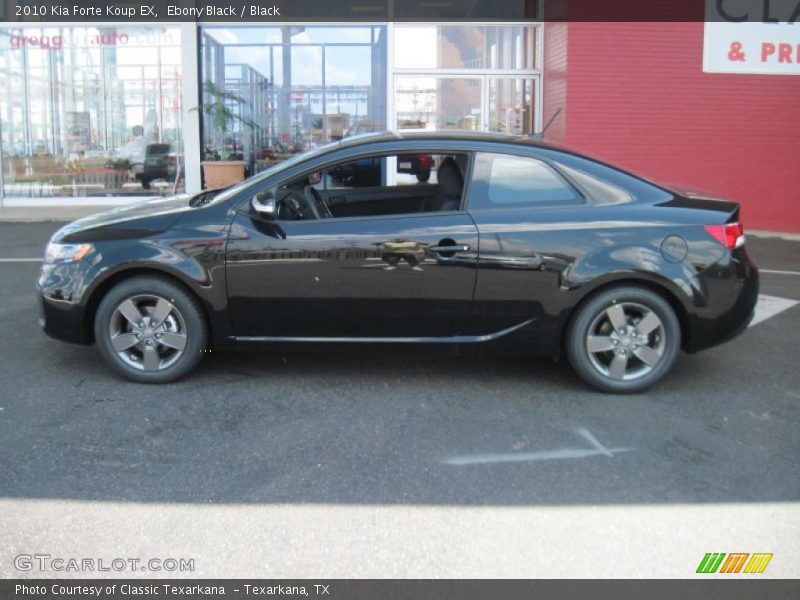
[
  {"x": 150, "y": 330},
  {"x": 623, "y": 340}
]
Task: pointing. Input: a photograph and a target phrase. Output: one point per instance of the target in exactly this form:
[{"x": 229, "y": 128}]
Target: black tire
[
  {"x": 596, "y": 367},
  {"x": 423, "y": 175},
  {"x": 185, "y": 312},
  {"x": 145, "y": 184}
]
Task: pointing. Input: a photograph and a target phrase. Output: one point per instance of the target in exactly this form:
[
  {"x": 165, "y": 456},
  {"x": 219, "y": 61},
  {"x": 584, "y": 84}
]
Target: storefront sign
[
  {"x": 740, "y": 39},
  {"x": 85, "y": 37}
]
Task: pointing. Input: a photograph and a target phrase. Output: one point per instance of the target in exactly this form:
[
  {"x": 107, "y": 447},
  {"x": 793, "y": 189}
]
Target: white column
[{"x": 190, "y": 102}]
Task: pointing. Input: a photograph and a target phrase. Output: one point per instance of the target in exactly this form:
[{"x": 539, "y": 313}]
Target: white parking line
[
  {"x": 776, "y": 272},
  {"x": 12, "y": 260},
  {"x": 482, "y": 459},
  {"x": 769, "y": 306}
]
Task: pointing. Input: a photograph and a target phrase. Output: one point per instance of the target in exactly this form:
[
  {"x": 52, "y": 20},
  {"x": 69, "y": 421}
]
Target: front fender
[
  {"x": 178, "y": 258},
  {"x": 194, "y": 258}
]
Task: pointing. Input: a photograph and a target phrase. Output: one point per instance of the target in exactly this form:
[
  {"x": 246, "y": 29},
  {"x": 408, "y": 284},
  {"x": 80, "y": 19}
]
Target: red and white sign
[{"x": 752, "y": 47}]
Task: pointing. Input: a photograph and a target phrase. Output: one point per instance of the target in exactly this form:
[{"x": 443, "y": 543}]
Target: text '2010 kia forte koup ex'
[{"x": 509, "y": 241}]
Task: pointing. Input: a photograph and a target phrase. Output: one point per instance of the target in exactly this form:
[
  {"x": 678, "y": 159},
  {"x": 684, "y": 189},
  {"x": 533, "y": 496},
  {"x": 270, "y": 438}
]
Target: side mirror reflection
[{"x": 264, "y": 205}]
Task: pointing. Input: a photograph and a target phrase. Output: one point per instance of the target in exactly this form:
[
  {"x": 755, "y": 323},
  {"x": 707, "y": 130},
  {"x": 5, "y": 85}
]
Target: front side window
[
  {"x": 399, "y": 184},
  {"x": 506, "y": 181}
]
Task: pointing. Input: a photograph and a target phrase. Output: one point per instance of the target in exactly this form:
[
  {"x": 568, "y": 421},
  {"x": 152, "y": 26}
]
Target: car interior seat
[{"x": 451, "y": 184}]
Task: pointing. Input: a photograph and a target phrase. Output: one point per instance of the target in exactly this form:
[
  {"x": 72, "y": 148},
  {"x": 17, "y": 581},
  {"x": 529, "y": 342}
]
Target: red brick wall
[
  {"x": 555, "y": 81},
  {"x": 636, "y": 95}
]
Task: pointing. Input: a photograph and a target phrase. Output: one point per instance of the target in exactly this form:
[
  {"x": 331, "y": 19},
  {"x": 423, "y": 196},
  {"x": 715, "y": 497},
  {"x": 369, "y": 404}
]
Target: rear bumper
[{"x": 731, "y": 293}]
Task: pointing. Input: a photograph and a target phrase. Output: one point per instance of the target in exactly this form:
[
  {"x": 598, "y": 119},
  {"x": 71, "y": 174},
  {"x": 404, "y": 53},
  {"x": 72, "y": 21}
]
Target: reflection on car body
[{"x": 413, "y": 253}]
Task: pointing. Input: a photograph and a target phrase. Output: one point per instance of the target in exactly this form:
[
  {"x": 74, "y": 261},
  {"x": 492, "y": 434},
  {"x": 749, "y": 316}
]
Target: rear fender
[
  {"x": 646, "y": 263},
  {"x": 631, "y": 265}
]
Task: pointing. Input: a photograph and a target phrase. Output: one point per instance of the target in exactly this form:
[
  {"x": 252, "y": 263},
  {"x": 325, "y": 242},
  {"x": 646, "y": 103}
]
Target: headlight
[{"x": 61, "y": 253}]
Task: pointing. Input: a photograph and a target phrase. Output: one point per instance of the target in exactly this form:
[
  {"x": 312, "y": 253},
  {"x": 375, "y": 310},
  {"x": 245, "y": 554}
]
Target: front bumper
[{"x": 62, "y": 315}]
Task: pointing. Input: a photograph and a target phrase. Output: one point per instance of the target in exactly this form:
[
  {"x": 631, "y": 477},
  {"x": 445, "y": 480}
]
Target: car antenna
[{"x": 540, "y": 136}]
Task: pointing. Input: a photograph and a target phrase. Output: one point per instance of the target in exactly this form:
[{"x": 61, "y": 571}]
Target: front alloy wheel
[
  {"x": 150, "y": 329},
  {"x": 623, "y": 340},
  {"x": 148, "y": 332}
]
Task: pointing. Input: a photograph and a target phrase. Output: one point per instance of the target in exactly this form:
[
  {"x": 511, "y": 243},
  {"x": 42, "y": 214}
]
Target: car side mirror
[{"x": 264, "y": 205}]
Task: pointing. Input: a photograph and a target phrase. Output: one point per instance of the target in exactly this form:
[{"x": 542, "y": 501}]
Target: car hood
[{"x": 166, "y": 207}]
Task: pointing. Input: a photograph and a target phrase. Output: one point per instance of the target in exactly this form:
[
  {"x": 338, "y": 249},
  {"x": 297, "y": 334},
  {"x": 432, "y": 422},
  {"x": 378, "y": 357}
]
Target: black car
[
  {"x": 518, "y": 243},
  {"x": 160, "y": 162}
]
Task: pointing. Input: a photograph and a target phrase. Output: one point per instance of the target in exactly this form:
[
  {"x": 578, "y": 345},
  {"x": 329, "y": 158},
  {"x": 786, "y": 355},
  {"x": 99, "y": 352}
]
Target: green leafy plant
[{"x": 222, "y": 116}]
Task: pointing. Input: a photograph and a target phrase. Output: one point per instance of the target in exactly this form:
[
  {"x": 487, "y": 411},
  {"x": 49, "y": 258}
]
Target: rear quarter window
[
  {"x": 507, "y": 181},
  {"x": 604, "y": 183}
]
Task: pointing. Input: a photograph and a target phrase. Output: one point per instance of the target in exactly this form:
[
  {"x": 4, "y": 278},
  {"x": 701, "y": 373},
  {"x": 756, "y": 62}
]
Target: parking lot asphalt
[{"x": 398, "y": 462}]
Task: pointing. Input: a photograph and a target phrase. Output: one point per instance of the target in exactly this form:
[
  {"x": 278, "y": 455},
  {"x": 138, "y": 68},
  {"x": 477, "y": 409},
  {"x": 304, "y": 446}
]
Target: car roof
[{"x": 439, "y": 136}]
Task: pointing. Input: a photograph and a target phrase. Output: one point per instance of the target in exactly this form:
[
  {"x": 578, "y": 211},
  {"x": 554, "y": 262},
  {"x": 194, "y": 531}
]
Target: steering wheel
[
  {"x": 314, "y": 198},
  {"x": 299, "y": 207}
]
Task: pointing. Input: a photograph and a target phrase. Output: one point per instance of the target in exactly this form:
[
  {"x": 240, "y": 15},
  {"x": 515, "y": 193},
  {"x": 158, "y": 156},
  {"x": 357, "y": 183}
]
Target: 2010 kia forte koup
[{"x": 509, "y": 241}]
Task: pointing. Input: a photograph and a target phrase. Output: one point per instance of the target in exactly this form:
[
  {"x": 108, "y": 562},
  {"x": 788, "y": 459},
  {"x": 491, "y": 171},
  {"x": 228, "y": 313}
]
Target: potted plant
[{"x": 224, "y": 167}]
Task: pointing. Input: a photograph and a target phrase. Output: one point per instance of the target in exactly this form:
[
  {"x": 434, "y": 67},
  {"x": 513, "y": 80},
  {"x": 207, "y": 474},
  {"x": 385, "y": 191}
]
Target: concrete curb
[
  {"x": 789, "y": 237},
  {"x": 39, "y": 214}
]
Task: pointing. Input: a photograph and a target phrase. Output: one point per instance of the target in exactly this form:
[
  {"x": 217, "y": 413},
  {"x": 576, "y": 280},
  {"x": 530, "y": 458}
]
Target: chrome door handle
[{"x": 455, "y": 248}]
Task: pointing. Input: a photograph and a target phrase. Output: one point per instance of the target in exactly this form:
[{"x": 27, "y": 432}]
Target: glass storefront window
[
  {"x": 90, "y": 111},
  {"x": 291, "y": 88},
  {"x": 428, "y": 102},
  {"x": 465, "y": 46},
  {"x": 511, "y": 107},
  {"x": 95, "y": 111}
]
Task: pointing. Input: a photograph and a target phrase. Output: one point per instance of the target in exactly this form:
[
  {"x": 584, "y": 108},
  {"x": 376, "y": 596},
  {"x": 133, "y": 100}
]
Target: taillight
[{"x": 730, "y": 235}]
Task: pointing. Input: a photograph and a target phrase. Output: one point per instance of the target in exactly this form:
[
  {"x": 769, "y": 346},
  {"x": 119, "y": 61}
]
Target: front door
[{"x": 364, "y": 277}]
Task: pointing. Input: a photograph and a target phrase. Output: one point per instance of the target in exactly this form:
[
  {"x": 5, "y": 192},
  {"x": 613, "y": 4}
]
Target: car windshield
[{"x": 282, "y": 166}]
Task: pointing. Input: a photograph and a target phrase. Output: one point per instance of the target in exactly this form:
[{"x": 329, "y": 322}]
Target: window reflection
[
  {"x": 511, "y": 107},
  {"x": 438, "y": 103},
  {"x": 90, "y": 111},
  {"x": 300, "y": 87}
]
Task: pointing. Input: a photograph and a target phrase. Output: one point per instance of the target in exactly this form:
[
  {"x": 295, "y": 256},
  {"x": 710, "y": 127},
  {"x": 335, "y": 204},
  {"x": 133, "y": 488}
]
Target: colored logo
[{"x": 735, "y": 562}]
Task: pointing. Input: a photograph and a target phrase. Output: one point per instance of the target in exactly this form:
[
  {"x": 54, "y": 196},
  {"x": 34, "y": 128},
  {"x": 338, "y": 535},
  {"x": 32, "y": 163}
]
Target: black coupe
[{"x": 510, "y": 241}]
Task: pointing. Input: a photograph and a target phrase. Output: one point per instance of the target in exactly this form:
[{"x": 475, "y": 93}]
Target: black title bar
[
  {"x": 313, "y": 11},
  {"x": 266, "y": 10}
]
